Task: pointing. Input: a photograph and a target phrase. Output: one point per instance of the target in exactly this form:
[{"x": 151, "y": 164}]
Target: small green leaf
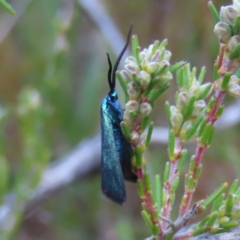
[
  {"x": 166, "y": 172},
  {"x": 212, "y": 219},
  {"x": 236, "y": 26},
  {"x": 180, "y": 77},
  {"x": 138, "y": 153},
  {"x": 198, "y": 173},
  {"x": 182, "y": 160},
  {"x": 125, "y": 131},
  {"x": 220, "y": 111},
  {"x": 214, "y": 11},
  {"x": 230, "y": 224},
  {"x": 123, "y": 85},
  {"x": 175, "y": 185},
  {"x": 187, "y": 111},
  {"x": 135, "y": 45},
  {"x": 176, "y": 66},
  {"x": 235, "y": 53},
  {"x": 229, "y": 205},
  {"x": 168, "y": 111},
  {"x": 215, "y": 194},
  {"x": 140, "y": 189},
  {"x": 144, "y": 123},
  {"x": 194, "y": 128},
  {"x": 158, "y": 192},
  {"x": 149, "y": 134},
  {"x": 148, "y": 182},
  {"x": 155, "y": 93},
  {"x": 171, "y": 145},
  {"x": 226, "y": 80},
  {"x": 211, "y": 135},
  {"x": 148, "y": 221},
  {"x": 202, "y": 74},
  {"x": 218, "y": 202},
  {"x": 216, "y": 75},
  {"x": 234, "y": 186},
  {"x": 206, "y": 133},
  {"x": 8, "y": 7},
  {"x": 192, "y": 164}
]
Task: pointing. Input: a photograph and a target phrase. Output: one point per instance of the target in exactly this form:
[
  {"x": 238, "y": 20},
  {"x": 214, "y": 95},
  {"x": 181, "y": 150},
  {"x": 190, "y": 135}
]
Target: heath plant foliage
[{"x": 198, "y": 105}]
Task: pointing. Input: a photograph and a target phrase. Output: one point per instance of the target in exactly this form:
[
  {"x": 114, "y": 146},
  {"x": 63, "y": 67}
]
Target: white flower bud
[
  {"x": 182, "y": 100},
  {"x": 134, "y": 137},
  {"x": 236, "y": 4},
  {"x": 234, "y": 90},
  {"x": 126, "y": 76},
  {"x": 143, "y": 55},
  {"x": 176, "y": 117},
  {"x": 228, "y": 14},
  {"x": 133, "y": 90},
  {"x": 235, "y": 79},
  {"x": 132, "y": 107},
  {"x": 222, "y": 31},
  {"x": 198, "y": 108},
  {"x": 152, "y": 67},
  {"x": 184, "y": 129},
  {"x": 194, "y": 90},
  {"x": 166, "y": 77},
  {"x": 132, "y": 68},
  {"x": 167, "y": 55},
  {"x": 233, "y": 42},
  {"x": 130, "y": 60},
  {"x": 144, "y": 78},
  {"x": 156, "y": 56},
  {"x": 145, "y": 109}
]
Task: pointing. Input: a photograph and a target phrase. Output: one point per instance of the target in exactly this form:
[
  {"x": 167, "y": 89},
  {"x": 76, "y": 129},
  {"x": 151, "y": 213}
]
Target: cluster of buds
[
  {"x": 227, "y": 31},
  {"x": 146, "y": 75},
  {"x": 225, "y": 213},
  {"x": 187, "y": 114}
]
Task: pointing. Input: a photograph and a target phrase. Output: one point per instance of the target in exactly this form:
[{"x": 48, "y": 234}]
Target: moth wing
[
  {"x": 112, "y": 178},
  {"x": 126, "y": 161}
]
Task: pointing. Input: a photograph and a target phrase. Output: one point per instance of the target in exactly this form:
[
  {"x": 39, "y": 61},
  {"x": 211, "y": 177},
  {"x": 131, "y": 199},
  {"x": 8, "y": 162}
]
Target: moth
[{"x": 116, "y": 150}]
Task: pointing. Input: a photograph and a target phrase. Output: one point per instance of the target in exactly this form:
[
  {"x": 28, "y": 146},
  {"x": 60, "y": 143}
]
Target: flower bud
[
  {"x": 132, "y": 68},
  {"x": 143, "y": 55},
  {"x": 130, "y": 60},
  {"x": 134, "y": 137},
  {"x": 133, "y": 90},
  {"x": 126, "y": 76},
  {"x": 145, "y": 109},
  {"x": 182, "y": 99},
  {"x": 144, "y": 63},
  {"x": 176, "y": 117},
  {"x": 234, "y": 79},
  {"x": 198, "y": 108},
  {"x": 156, "y": 56},
  {"x": 228, "y": 14},
  {"x": 234, "y": 90},
  {"x": 132, "y": 107},
  {"x": 224, "y": 219},
  {"x": 167, "y": 55},
  {"x": 194, "y": 90},
  {"x": 233, "y": 42},
  {"x": 184, "y": 129},
  {"x": 236, "y": 4},
  {"x": 144, "y": 78},
  {"x": 205, "y": 90},
  {"x": 166, "y": 77},
  {"x": 152, "y": 67},
  {"x": 149, "y": 49},
  {"x": 222, "y": 31}
]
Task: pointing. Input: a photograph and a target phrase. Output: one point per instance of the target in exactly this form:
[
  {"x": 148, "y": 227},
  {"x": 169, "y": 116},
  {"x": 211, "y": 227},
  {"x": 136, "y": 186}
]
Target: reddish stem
[{"x": 168, "y": 186}]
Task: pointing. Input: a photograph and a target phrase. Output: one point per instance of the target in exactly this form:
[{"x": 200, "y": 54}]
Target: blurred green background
[{"x": 66, "y": 62}]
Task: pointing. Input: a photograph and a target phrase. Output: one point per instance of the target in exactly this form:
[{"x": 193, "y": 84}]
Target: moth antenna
[
  {"x": 111, "y": 85},
  {"x": 119, "y": 59}
]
